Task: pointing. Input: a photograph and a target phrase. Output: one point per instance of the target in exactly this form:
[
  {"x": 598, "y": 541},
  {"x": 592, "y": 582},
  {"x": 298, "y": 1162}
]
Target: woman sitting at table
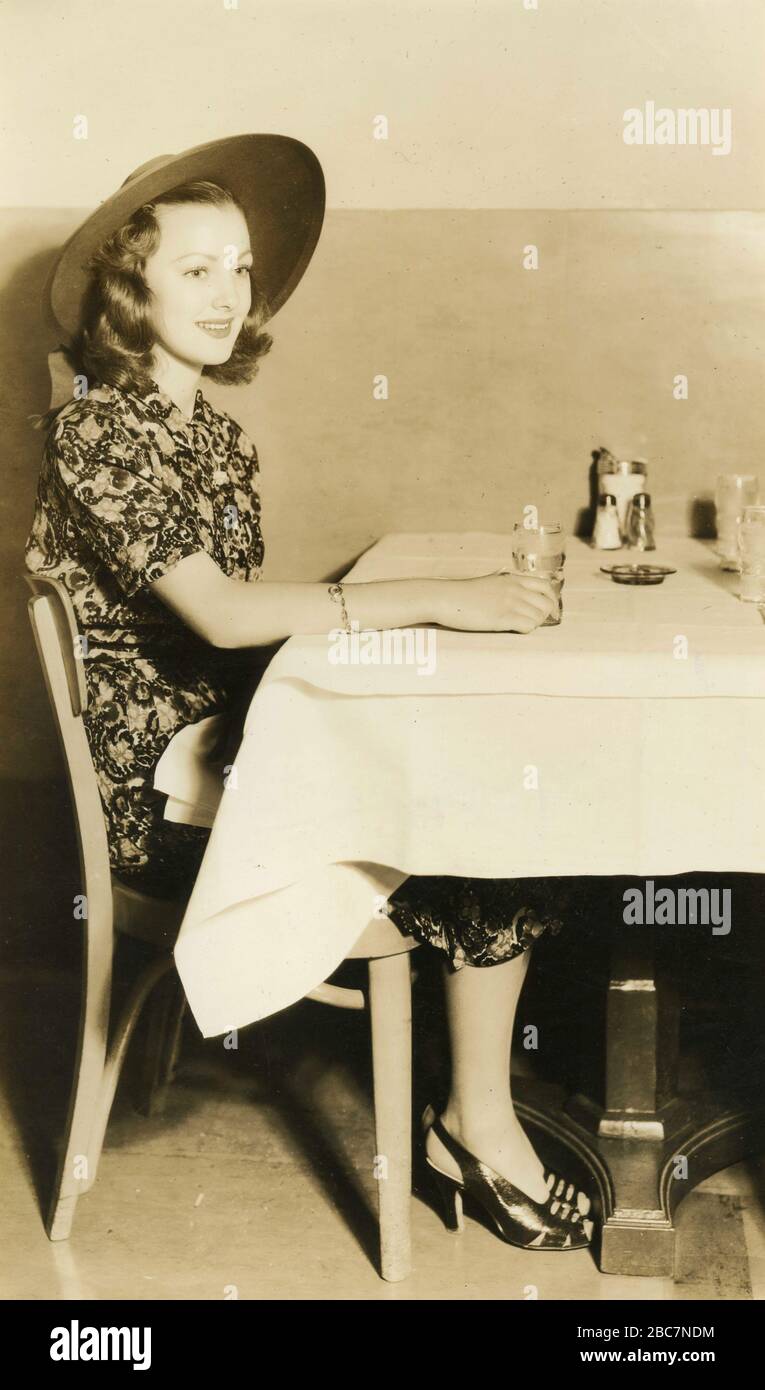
[{"x": 147, "y": 511}]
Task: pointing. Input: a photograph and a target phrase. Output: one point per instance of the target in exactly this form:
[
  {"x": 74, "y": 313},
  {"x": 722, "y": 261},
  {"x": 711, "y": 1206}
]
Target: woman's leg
[{"x": 481, "y": 1003}]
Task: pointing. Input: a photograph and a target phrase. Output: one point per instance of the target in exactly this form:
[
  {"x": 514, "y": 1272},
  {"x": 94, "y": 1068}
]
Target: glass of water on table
[
  {"x": 733, "y": 493},
  {"x": 751, "y": 555},
  {"x": 541, "y": 550}
]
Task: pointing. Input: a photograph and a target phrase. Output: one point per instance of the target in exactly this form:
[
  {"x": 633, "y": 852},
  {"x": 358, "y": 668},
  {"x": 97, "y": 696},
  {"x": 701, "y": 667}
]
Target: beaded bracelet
[{"x": 335, "y": 592}]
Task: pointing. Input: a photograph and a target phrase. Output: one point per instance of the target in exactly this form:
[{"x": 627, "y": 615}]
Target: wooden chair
[{"x": 110, "y": 907}]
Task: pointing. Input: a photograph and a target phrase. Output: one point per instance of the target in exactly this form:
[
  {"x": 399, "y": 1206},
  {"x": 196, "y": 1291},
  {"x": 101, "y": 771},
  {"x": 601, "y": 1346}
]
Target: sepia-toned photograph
[{"x": 383, "y": 687}]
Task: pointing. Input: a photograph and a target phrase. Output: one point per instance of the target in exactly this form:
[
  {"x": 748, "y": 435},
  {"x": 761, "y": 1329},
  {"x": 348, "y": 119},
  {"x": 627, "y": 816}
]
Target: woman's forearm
[
  {"x": 233, "y": 613},
  {"x": 255, "y": 614}
]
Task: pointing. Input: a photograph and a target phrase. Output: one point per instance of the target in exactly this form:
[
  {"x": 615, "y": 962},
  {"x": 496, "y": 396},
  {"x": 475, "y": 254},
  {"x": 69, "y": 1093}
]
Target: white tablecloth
[{"x": 630, "y": 739}]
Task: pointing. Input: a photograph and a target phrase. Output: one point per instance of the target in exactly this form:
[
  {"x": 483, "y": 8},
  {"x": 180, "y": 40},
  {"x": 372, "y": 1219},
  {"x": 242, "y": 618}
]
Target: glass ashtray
[{"x": 638, "y": 574}]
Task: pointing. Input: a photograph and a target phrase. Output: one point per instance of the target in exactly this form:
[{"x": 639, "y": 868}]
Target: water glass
[
  {"x": 733, "y": 493},
  {"x": 751, "y": 555},
  {"x": 541, "y": 550}
]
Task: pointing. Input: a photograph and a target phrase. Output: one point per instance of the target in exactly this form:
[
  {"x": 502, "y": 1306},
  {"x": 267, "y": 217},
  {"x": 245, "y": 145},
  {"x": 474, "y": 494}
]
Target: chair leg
[
  {"x": 115, "y": 1057},
  {"x": 390, "y": 1003},
  {"x": 74, "y": 1175},
  {"x": 166, "y": 1009}
]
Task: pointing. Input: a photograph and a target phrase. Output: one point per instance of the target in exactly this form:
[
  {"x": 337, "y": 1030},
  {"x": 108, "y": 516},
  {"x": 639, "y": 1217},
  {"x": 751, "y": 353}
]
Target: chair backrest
[{"x": 59, "y": 647}]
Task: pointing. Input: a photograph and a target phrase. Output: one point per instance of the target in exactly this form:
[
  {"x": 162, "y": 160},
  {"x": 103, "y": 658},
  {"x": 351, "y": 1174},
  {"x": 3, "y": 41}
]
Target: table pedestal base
[
  {"x": 638, "y": 1182},
  {"x": 639, "y": 1148}
]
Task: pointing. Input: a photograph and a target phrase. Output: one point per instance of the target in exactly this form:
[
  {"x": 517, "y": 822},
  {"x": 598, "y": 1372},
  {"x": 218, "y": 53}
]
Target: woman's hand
[{"x": 498, "y": 603}]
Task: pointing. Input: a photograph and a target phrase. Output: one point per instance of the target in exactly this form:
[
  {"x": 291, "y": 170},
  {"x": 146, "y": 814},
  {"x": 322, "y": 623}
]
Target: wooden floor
[{"x": 257, "y": 1183}]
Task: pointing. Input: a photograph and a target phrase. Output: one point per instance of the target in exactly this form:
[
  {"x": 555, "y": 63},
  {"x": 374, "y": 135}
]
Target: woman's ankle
[{"x": 490, "y": 1124}]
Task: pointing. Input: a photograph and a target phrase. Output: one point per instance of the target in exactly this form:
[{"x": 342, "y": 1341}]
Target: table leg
[
  {"x": 638, "y": 1121},
  {"x": 641, "y": 1147}
]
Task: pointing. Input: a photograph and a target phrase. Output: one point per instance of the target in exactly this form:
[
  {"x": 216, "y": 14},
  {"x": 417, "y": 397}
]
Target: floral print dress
[{"x": 128, "y": 487}]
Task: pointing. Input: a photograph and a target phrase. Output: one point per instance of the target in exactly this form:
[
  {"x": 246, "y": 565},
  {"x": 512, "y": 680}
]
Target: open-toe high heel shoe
[
  {"x": 558, "y": 1185},
  {"x": 519, "y": 1219},
  {"x": 567, "y": 1191}
]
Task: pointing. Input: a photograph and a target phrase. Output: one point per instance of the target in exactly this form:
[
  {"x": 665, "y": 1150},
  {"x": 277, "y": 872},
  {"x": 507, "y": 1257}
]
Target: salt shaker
[
  {"x": 640, "y": 523},
  {"x": 606, "y": 534}
]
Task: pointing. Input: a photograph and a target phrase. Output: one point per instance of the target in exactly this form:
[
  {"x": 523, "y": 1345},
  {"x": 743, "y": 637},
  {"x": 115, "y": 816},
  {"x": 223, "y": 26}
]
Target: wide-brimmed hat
[{"x": 277, "y": 180}]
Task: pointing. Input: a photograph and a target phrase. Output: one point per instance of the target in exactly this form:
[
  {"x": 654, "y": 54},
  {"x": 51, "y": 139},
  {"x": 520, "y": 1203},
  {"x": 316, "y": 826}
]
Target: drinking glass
[
  {"x": 733, "y": 493},
  {"x": 751, "y": 554},
  {"x": 541, "y": 550}
]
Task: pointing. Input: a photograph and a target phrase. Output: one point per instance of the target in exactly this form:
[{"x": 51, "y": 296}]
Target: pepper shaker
[{"x": 640, "y": 523}]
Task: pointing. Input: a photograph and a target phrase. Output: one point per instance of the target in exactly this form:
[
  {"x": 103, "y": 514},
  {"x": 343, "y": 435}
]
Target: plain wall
[
  {"x": 501, "y": 382},
  {"x": 489, "y": 103}
]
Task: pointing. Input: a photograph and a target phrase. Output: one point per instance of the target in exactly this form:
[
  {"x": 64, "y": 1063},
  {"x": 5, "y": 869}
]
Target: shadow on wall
[
  {"x": 41, "y": 875},
  {"x": 42, "y": 870},
  {"x": 24, "y": 346}
]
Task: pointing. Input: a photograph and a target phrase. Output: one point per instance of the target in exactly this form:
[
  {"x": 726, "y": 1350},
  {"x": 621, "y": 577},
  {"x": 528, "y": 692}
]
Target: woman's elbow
[{"x": 197, "y": 591}]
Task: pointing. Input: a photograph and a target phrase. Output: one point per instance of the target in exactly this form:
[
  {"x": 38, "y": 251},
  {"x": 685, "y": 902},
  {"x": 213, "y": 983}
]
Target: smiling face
[{"x": 199, "y": 279}]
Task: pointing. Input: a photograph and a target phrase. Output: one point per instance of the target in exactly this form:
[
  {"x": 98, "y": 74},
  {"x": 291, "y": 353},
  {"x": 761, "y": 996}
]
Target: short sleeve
[
  {"x": 137, "y": 522},
  {"x": 245, "y": 447},
  {"x": 246, "y": 455}
]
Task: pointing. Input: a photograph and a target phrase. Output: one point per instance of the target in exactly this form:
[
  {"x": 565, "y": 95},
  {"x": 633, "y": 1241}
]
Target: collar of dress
[{"x": 164, "y": 408}]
